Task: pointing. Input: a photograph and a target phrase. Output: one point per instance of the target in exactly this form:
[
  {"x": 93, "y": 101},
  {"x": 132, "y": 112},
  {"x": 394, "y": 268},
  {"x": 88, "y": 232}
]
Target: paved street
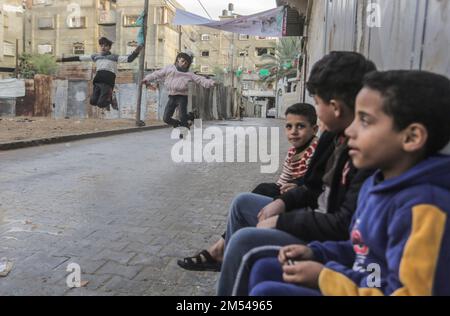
[{"x": 120, "y": 208}]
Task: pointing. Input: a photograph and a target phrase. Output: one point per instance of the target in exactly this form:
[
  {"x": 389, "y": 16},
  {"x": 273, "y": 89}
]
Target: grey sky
[{"x": 215, "y": 7}]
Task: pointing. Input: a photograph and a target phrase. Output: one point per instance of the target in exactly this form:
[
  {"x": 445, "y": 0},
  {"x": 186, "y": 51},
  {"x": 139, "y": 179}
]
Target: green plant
[
  {"x": 219, "y": 74},
  {"x": 34, "y": 64},
  {"x": 281, "y": 65}
]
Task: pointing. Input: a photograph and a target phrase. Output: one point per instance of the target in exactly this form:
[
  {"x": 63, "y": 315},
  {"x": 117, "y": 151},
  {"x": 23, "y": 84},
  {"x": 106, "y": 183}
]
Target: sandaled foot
[{"x": 200, "y": 262}]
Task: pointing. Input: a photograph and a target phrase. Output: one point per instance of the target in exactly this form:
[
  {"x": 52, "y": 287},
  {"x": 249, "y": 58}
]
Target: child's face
[
  {"x": 298, "y": 130},
  {"x": 105, "y": 48},
  {"x": 326, "y": 114},
  {"x": 183, "y": 63},
  {"x": 374, "y": 143}
]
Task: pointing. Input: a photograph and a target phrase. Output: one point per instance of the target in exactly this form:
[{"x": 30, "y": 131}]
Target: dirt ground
[{"x": 27, "y": 128}]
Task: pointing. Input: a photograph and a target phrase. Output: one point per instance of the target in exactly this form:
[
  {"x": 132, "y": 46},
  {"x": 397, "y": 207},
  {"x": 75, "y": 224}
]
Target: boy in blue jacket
[{"x": 400, "y": 235}]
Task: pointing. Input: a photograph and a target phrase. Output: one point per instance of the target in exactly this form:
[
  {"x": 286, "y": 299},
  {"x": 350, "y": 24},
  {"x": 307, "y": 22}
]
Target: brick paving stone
[{"x": 120, "y": 208}]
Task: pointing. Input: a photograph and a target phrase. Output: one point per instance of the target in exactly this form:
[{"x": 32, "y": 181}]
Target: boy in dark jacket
[
  {"x": 105, "y": 77},
  {"x": 400, "y": 235},
  {"x": 321, "y": 209}
]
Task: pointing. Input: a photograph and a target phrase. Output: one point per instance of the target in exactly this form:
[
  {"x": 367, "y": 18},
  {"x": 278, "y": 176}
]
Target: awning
[{"x": 278, "y": 22}]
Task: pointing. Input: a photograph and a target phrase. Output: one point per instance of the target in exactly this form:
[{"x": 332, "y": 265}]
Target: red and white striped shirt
[{"x": 296, "y": 164}]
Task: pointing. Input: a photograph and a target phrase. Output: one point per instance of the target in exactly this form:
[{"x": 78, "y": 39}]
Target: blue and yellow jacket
[{"x": 400, "y": 237}]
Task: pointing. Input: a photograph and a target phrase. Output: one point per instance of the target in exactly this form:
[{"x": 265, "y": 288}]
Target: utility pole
[
  {"x": 180, "y": 34},
  {"x": 17, "y": 59},
  {"x": 231, "y": 9},
  {"x": 139, "y": 121}
]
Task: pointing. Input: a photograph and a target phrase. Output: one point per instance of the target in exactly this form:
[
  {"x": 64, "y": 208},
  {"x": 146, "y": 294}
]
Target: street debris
[{"x": 5, "y": 267}]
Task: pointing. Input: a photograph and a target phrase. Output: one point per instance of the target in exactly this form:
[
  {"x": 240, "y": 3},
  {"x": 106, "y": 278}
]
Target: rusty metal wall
[
  {"x": 43, "y": 93},
  {"x": 25, "y": 105}
]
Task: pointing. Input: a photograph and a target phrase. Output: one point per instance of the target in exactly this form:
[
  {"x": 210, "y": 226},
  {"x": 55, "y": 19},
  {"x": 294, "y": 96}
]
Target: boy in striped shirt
[{"x": 301, "y": 130}]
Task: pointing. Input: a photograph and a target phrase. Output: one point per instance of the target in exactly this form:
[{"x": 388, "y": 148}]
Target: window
[
  {"x": 130, "y": 20},
  {"x": 243, "y": 53},
  {"x": 205, "y": 53},
  {"x": 265, "y": 50},
  {"x": 46, "y": 23},
  {"x": 163, "y": 15},
  {"x": 78, "y": 48},
  {"x": 243, "y": 37},
  {"x": 77, "y": 23},
  {"x": 6, "y": 20},
  {"x": 106, "y": 5},
  {"x": 45, "y": 49},
  {"x": 9, "y": 49},
  {"x": 204, "y": 69},
  {"x": 205, "y": 37}
]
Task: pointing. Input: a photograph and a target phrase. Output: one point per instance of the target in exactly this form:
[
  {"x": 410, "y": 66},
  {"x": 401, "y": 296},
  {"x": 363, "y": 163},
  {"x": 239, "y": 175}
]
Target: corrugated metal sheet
[
  {"x": 436, "y": 57},
  {"x": 7, "y": 107},
  {"x": 393, "y": 45},
  {"x": 341, "y": 25},
  {"x": 43, "y": 92},
  {"x": 60, "y": 94},
  {"x": 127, "y": 100},
  {"x": 25, "y": 105},
  {"x": 78, "y": 99}
]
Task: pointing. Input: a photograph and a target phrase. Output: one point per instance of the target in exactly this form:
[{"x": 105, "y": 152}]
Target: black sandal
[{"x": 196, "y": 263}]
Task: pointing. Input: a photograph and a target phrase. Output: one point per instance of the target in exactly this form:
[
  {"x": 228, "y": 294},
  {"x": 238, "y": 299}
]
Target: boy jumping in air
[
  {"x": 105, "y": 77},
  {"x": 176, "y": 79}
]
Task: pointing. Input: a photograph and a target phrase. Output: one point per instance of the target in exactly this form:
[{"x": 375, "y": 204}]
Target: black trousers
[
  {"x": 102, "y": 95},
  {"x": 174, "y": 102}
]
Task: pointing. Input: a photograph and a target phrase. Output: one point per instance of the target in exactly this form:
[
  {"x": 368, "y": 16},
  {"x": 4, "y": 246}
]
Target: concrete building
[
  {"x": 11, "y": 35},
  {"x": 68, "y": 27}
]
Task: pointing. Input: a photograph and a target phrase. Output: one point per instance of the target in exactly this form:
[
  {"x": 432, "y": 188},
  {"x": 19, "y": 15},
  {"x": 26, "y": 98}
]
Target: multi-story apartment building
[
  {"x": 72, "y": 27},
  {"x": 224, "y": 50},
  {"x": 11, "y": 35}
]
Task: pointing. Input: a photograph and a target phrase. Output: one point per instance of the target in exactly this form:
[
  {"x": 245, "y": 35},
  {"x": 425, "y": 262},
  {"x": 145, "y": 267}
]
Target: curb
[{"x": 71, "y": 138}]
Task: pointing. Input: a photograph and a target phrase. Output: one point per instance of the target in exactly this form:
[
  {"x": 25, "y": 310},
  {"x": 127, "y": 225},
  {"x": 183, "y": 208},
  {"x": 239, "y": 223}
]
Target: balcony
[{"x": 106, "y": 17}]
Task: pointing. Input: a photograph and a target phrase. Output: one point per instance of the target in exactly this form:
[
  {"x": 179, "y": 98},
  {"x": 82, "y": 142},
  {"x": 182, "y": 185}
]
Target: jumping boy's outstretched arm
[
  {"x": 89, "y": 58},
  {"x": 130, "y": 58},
  {"x": 205, "y": 83},
  {"x": 156, "y": 75}
]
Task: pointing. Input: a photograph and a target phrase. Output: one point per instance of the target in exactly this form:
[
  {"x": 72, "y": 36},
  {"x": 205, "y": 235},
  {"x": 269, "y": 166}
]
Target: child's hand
[
  {"x": 269, "y": 223},
  {"x": 287, "y": 187},
  {"x": 275, "y": 208},
  {"x": 295, "y": 252},
  {"x": 303, "y": 273}
]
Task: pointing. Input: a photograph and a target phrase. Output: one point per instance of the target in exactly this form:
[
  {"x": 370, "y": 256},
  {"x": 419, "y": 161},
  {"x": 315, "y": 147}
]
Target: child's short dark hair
[
  {"x": 105, "y": 41},
  {"x": 304, "y": 109},
  {"x": 339, "y": 75},
  {"x": 416, "y": 97}
]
